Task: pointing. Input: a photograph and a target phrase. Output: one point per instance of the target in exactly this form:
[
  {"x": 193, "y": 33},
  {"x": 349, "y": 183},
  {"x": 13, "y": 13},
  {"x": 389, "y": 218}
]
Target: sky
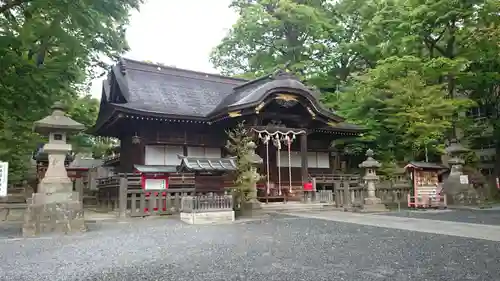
[{"x": 180, "y": 33}]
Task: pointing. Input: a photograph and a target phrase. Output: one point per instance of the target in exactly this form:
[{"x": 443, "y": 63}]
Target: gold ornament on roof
[
  {"x": 286, "y": 97},
  {"x": 234, "y": 114},
  {"x": 259, "y": 107}
]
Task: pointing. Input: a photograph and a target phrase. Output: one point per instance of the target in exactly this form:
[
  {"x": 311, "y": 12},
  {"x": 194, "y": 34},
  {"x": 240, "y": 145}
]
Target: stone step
[{"x": 297, "y": 206}]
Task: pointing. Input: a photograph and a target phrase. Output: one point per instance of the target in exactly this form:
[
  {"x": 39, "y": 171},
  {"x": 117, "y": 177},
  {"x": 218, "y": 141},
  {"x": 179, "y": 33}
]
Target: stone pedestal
[
  {"x": 373, "y": 204},
  {"x": 457, "y": 192},
  {"x": 60, "y": 212}
]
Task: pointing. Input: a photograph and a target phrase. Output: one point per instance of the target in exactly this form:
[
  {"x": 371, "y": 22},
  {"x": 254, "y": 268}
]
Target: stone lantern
[
  {"x": 457, "y": 186},
  {"x": 455, "y": 151},
  {"x": 371, "y": 202},
  {"x": 55, "y": 207}
]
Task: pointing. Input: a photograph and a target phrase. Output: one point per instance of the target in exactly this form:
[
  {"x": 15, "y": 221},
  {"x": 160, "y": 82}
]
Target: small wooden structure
[{"x": 426, "y": 186}]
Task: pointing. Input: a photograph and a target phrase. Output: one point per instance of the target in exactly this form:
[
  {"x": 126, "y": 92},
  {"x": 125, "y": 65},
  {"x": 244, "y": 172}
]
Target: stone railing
[
  {"x": 198, "y": 204},
  {"x": 393, "y": 192},
  {"x": 350, "y": 192},
  {"x": 207, "y": 209}
]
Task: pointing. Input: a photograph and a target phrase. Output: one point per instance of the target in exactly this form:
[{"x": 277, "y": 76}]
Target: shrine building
[{"x": 166, "y": 117}]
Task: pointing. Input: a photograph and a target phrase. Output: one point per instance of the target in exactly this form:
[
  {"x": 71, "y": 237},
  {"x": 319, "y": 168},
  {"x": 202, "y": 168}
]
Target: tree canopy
[
  {"x": 49, "y": 50},
  {"x": 407, "y": 70}
]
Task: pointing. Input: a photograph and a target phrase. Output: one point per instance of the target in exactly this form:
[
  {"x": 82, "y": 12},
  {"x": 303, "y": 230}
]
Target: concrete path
[{"x": 460, "y": 229}]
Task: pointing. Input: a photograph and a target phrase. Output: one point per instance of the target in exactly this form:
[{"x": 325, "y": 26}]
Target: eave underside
[{"x": 122, "y": 123}]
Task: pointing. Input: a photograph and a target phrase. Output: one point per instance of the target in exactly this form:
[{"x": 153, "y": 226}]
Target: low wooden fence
[
  {"x": 141, "y": 203},
  {"x": 125, "y": 195}
]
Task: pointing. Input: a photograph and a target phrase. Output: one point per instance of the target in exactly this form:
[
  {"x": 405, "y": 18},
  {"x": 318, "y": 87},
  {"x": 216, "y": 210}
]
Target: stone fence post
[
  {"x": 122, "y": 197},
  {"x": 347, "y": 195}
]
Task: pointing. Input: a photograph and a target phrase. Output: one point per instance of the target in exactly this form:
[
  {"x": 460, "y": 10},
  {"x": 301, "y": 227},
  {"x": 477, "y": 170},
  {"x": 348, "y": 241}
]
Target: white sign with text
[
  {"x": 4, "y": 172},
  {"x": 464, "y": 179}
]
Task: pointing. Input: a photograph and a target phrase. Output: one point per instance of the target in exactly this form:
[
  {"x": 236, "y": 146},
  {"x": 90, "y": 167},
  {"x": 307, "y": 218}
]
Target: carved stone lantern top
[
  {"x": 370, "y": 163},
  {"x": 455, "y": 149},
  {"x": 252, "y": 157},
  {"x": 251, "y": 146},
  {"x": 57, "y": 122}
]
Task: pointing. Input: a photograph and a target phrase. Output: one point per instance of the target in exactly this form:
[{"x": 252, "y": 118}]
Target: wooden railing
[{"x": 124, "y": 194}]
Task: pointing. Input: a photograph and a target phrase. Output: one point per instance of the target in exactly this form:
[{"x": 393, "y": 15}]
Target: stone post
[
  {"x": 122, "y": 198},
  {"x": 55, "y": 207},
  {"x": 453, "y": 186},
  {"x": 371, "y": 202}
]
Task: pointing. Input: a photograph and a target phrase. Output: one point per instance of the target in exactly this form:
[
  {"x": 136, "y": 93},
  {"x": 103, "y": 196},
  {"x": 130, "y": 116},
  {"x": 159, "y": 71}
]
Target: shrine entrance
[{"x": 282, "y": 163}]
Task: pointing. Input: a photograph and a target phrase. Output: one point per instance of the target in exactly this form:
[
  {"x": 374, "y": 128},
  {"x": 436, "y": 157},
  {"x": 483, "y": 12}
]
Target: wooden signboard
[{"x": 426, "y": 187}]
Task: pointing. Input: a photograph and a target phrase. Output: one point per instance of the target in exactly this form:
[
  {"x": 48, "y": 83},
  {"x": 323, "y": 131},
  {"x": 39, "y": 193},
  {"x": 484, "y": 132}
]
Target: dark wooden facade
[{"x": 144, "y": 104}]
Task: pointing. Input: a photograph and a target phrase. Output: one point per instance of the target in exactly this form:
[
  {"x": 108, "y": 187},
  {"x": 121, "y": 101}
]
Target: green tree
[
  {"x": 85, "y": 110},
  {"x": 361, "y": 55},
  {"x": 48, "y": 50},
  {"x": 401, "y": 110},
  {"x": 271, "y": 33},
  {"x": 239, "y": 145}
]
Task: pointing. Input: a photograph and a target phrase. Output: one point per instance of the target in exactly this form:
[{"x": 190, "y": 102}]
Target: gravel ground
[
  {"x": 470, "y": 216},
  {"x": 278, "y": 248},
  {"x": 10, "y": 230}
]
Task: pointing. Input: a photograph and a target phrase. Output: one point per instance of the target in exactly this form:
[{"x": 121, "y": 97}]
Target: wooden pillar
[{"x": 303, "y": 155}]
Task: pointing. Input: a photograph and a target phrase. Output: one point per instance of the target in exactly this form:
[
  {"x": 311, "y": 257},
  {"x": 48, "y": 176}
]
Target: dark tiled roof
[
  {"x": 254, "y": 91},
  {"x": 177, "y": 93},
  {"x": 426, "y": 165},
  {"x": 199, "y": 164},
  {"x": 85, "y": 163},
  {"x": 167, "y": 90},
  {"x": 155, "y": 169}
]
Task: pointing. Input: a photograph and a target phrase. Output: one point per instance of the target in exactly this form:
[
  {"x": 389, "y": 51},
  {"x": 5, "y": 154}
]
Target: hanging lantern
[{"x": 136, "y": 139}]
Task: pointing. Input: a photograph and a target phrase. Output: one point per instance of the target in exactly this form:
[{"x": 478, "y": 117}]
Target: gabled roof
[
  {"x": 152, "y": 88},
  {"x": 171, "y": 91},
  {"x": 159, "y": 91}
]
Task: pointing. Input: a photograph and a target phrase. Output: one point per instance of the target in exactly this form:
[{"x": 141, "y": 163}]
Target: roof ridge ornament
[
  {"x": 123, "y": 66},
  {"x": 284, "y": 72}
]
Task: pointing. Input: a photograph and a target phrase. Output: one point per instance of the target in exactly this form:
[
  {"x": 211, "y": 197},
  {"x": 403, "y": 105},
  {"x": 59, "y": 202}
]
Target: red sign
[{"x": 308, "y": 186}]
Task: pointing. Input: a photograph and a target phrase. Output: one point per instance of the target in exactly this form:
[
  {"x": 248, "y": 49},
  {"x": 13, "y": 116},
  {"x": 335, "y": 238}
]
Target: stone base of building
[
  {"x": 373, "y": 205},
  {"x": 208, "y": 217},
  {"x": 60, "y": 212}
]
